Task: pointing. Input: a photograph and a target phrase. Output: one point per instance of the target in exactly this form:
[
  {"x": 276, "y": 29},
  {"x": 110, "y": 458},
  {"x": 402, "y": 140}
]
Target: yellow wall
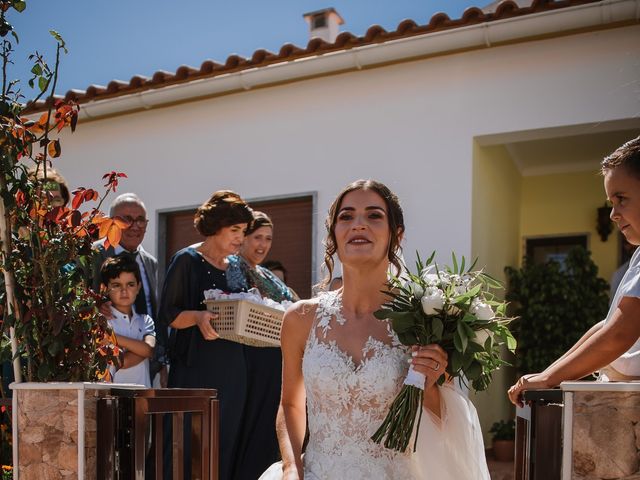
[
  {"x": 563, "y": 204},
  {"x": 495, "y": 234}
]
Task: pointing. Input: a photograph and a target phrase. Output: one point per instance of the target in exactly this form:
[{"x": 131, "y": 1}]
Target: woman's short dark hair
[
  {"x": 394, "y": 216},
  {"x": 275, "y": 265},
  {"x": 223, "y": 209},
  {"x": 626, "y": 156},
  {"x": 112, "y": 267},
  {"x": 260, "y": 219}
]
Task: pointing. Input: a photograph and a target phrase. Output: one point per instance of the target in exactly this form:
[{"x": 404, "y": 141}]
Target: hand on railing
[{"x": 531, "y": 381}]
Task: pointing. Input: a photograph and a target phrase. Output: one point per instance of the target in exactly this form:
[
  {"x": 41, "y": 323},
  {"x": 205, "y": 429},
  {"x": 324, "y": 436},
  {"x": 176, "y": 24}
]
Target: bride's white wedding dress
[{"x": 348, "y": 400}]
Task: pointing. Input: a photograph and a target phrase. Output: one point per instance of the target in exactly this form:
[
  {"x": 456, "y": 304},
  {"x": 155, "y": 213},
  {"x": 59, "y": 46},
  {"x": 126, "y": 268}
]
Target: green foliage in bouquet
[
  {"x": 49, "y": 309},
  {"x": 556, "y": 303},
  {"x": 455, "y": 308}
]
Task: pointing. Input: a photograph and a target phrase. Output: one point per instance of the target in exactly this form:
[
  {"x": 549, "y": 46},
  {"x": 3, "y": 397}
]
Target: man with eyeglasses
[{"x": 129, "y": 208}]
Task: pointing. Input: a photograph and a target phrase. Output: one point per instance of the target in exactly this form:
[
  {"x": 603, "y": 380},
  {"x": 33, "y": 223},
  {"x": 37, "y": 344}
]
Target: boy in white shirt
[{"x": 134, "y": 333}]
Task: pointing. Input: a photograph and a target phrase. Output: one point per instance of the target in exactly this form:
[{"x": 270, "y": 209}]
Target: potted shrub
[
  {"x": 49, "y": 311},
  {"x": 503, "y": 440},
  {"x": 555, "y": 304}
]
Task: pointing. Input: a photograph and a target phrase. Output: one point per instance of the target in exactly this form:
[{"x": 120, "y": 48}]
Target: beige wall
[
  {"x": 566, "y": 204},
  {"x": 497, "y": 190}
]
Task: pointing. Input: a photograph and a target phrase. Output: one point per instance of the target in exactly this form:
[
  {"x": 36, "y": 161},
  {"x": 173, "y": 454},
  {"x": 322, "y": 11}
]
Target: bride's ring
[{"x": 437, "y": 367}]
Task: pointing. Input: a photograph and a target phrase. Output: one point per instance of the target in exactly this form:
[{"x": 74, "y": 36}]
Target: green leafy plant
[
  {"x": 452, "y": 306},
  {"x": 7, "y": 472},
  {"x": 556, "y": 303},
  {"x": 6, "y": 442},
  {"x": 50, "y": 312},
  {"x": 503, "y": 430}
]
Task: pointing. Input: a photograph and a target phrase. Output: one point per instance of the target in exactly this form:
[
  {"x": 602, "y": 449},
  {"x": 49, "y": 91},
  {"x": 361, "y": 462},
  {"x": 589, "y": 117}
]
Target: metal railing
[
  {"x": 539, "y": 436},
  {"x": 148, "y": 434}
]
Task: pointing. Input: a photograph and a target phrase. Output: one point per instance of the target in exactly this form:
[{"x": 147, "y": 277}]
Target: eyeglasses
[
  {"x": 140, "y": 222},
  {"x": 115, "y": 287}
]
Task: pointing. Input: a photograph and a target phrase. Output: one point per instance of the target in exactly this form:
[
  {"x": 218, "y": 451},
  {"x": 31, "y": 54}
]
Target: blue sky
[{"x": 118, "y": 39}]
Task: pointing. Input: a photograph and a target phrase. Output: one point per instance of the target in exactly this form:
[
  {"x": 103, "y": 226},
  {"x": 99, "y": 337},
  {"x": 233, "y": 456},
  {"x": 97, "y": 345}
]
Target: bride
[{"x": 345, "y": 366}]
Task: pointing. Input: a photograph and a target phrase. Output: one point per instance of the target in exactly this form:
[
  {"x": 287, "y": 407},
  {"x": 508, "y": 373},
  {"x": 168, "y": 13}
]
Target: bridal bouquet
[{"x": 454, "y": 308}]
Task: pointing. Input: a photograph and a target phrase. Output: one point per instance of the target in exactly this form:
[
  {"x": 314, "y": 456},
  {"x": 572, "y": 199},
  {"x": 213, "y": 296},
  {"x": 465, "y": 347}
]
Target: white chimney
[{"x": 324, "y": 24}]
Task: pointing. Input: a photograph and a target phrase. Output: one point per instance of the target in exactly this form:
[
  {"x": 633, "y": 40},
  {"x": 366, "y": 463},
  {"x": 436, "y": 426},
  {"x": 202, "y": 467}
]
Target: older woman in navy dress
[{"x": 199, "y": 359}]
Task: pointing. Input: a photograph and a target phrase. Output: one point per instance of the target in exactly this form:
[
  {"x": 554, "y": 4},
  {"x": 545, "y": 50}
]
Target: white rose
[
  {"x": 483, "y": 311},
  {"x": 460, "y": 289},
  {"x": 432, "y": 300},
  {"x": 431, "y": 279},
  {"x": 417, "y": 289}
]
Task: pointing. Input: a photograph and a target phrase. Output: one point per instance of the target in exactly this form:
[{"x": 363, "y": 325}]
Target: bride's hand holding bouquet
[{"x": 431, "y": 362}]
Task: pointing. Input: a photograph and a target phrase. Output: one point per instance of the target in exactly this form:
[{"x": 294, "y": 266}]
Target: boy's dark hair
[
  {"x": 114, "y": 266},
  {"x": 627, "y": 156}
]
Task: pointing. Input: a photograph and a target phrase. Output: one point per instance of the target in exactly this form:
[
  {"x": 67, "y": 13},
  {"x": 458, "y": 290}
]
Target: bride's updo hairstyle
[
  {"x": 223, "y": 209},
  {"x": 394, "y": 215}
]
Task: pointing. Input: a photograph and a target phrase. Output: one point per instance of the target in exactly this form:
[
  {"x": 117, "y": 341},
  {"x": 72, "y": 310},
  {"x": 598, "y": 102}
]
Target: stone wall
[
  {"x": 606, "y": 435},
  {"x": 47, "y": 422}
]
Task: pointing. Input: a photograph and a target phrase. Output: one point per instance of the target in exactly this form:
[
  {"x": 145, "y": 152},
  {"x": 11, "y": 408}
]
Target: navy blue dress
[{"x": 248, "y": 443}]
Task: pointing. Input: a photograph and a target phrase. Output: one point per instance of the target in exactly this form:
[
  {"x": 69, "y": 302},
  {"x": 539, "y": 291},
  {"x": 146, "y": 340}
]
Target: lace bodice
[{"x": 348, "y": 395}]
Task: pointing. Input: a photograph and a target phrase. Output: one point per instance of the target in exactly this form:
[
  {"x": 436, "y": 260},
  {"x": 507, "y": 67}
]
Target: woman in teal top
[{"x": 245, "y": 271}]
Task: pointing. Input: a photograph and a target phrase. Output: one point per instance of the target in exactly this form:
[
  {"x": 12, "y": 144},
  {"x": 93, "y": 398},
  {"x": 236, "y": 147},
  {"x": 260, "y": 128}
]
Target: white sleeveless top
[{"x": 347, "y": 402}]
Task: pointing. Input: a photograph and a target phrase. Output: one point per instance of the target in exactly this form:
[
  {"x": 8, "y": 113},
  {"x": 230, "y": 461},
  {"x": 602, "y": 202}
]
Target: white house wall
[{"x": 410, "y": 125}]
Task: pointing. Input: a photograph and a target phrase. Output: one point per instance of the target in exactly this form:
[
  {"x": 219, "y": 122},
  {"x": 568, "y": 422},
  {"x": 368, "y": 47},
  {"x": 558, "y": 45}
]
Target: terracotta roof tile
[
  {"x": 316, "y": 46},
  {"x": 185, "y": 71},
  {"x": 345, "y": 39},
  {"x": 138, "y": 81},
  {"x": 290, "y": 50},
  {"x": 473, "y": 15},
  {"x": 234, "y": 62},
  {"x": 261, "y": 56},
  {"x": 117, "y": 85},
  {"x": 406, "y": 27},
  {"x": 208, "y": 66},
  {"x": 508, "y": 9}
]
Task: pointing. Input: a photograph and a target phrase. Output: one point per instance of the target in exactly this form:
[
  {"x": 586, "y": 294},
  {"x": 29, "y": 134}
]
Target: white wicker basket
[{"x": 246, "y": 322}]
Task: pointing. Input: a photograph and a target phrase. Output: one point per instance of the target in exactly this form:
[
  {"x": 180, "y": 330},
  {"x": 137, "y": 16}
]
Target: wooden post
[{"x": 9, "y": 282}]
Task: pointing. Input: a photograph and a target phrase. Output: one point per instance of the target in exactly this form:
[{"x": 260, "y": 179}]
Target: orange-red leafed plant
[{"x": 46, "y": 245}]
